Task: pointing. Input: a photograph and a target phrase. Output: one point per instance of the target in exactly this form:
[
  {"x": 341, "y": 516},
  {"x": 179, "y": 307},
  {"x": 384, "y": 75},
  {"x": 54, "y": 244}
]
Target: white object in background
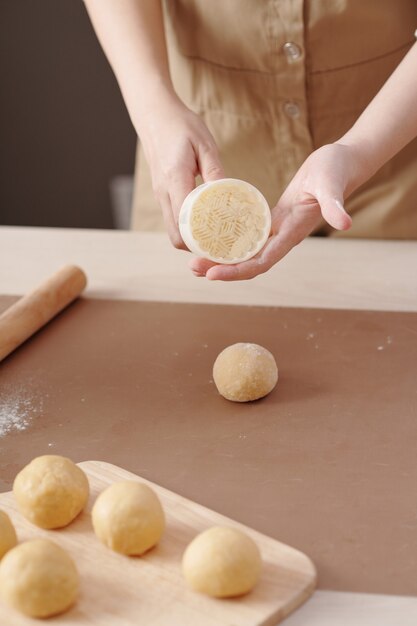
[
  {"x": 121, "y": 194},
  {"x": 227, "y": 221}
]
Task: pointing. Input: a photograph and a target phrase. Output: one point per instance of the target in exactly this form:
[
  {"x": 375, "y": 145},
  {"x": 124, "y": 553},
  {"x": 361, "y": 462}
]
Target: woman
[{"x": 280, "y": 93}]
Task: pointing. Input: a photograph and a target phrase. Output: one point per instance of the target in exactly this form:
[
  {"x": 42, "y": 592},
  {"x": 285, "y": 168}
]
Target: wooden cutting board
[{"x": 150, "y": 590}]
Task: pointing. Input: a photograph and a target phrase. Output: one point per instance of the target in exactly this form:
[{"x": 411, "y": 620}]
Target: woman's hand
[
  {"x": 317, "y": 190},
  {"x": 178, "y": 146}
]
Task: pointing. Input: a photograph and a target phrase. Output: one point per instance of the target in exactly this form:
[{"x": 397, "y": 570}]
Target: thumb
[
  {"x": 334, "y": 213},
  {"x": 209, "y": 162}
]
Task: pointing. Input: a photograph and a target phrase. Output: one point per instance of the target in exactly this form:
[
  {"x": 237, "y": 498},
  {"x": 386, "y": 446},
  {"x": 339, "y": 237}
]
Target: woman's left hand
[{"x": 317, "y": 190}]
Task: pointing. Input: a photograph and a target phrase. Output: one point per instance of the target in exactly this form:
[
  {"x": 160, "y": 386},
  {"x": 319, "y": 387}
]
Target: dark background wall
[{"x": 64, "y": 130}]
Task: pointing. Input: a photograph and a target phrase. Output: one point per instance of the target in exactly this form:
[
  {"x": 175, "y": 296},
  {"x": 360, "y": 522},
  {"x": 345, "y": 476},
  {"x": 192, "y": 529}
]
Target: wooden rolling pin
[{"x": 30, "y": 313}]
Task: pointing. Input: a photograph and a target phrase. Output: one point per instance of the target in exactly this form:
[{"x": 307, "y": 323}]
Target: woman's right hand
[
  {"x": 178, "y": 146},
  {"x": 176, "y": 142}
]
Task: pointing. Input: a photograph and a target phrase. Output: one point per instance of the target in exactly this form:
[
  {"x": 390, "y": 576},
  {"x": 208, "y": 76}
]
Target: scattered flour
[{"x": 16, "y": 412}]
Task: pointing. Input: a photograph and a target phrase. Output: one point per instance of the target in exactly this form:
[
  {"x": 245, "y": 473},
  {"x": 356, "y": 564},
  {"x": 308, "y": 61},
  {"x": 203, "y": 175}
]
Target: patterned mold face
[{"x": 229, "y": 221}]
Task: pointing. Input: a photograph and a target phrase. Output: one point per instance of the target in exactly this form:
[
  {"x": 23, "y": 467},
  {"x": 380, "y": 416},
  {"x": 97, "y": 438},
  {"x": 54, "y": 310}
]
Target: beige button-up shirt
[{"x": 276, "y": 79}]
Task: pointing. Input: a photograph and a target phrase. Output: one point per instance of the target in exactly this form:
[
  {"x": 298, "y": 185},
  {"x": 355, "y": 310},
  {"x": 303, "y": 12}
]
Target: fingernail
[
  {"x": 209, "y": 276},
  {"x": 340, "y": 206}
]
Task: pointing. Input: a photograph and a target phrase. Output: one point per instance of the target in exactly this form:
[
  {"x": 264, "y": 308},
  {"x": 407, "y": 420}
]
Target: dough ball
[
  {"x": 38, "y": 578},
  {"x": 8, "y": 537},
  {"x": 244, "y": 372},
  {"x": 222, "y": 562},
  {"x": 128, "y": 517},
  {"x": 51, "y": 491}
]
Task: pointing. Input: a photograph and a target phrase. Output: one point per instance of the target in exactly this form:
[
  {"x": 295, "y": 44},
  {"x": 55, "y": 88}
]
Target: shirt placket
[{"x": 292, "y": 132}]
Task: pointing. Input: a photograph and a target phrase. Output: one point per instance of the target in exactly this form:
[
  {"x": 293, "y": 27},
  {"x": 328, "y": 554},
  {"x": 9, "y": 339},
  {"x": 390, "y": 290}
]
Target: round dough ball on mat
[
  {"x": 244, "y": 372},
  {"x": 128, "y": 517},
  {"x": 38, "y": 578},
  {"x": 51, "y": 491},
  {"x": 222, "y": 562},
  {"x": 8, "y": 538}
]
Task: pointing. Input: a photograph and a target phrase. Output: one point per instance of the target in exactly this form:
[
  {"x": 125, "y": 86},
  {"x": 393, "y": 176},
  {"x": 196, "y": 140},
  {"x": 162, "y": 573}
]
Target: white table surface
[{"x": 356, "y": 274}]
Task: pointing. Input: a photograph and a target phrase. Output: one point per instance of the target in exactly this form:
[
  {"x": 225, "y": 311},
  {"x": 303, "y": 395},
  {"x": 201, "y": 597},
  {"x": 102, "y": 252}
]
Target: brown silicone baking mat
[{"x": 327, "y": 463}]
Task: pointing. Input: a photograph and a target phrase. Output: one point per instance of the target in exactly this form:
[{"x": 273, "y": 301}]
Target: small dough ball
[
  {"x": 128, "y": 517},
  {"x": 222, "y": 562},
  {"x": 51, "y": 491},
  {"x": 8, "y": 538},
  {"x": 244, "y": 372},
  {"x": 38, "y": 578}
]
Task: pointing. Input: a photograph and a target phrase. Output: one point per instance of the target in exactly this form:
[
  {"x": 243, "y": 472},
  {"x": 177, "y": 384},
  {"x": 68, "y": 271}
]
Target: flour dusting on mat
[{"x": 16, "y": 413}]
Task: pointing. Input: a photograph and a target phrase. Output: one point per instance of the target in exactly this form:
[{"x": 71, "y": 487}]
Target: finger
[
  {"x": 333, "y": 212},
  {"x": 170, "y": 222},
  {"x": 209, "y": 163},
  {"x": 240, "y": 271},
  {"x": 200, "y": 266},
  {"x": 259, "y": 264},
  {"x": 180, "y": 183}
]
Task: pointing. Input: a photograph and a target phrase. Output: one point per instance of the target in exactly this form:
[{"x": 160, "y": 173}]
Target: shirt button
[
  {"x": 291, "y": 51},
  {"x": 291, "y": 109}
]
